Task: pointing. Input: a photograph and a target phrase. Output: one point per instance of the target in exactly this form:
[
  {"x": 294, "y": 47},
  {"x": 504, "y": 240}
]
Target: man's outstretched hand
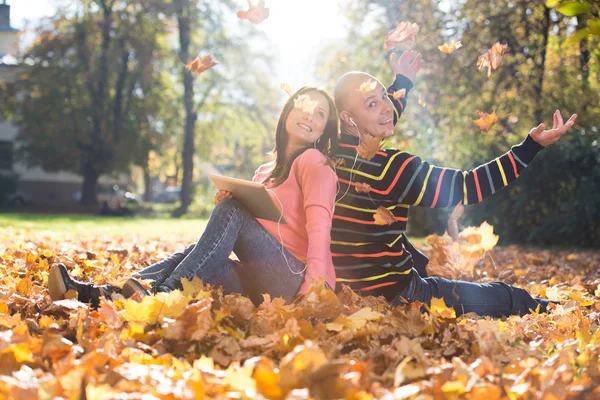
[
  {"x": 408, "y": 64},
  {"x": 559, "y": 128}
]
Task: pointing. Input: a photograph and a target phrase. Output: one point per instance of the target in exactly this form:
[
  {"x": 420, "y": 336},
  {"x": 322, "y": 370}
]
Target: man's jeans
[
  {"x": 266, "y": 267},
  {"x": 496, "y": 299}
]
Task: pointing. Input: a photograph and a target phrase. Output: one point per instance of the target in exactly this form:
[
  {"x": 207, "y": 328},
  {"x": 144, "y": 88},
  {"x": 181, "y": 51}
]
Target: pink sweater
[{"x": 308, "y": 196}]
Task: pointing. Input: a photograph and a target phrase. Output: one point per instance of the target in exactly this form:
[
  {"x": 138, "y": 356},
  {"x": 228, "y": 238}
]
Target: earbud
[{"x": 352, "y": 122}]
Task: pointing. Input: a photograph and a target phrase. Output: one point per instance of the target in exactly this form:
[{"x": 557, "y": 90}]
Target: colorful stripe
[
  {"x": 479, "y": 198},
  {"x": 452, "y": 188},
  {"x": 358, "y": 221},
  {"x": 381, "y": 153},
  {"x": 519, "y": 160},
  {"x": 360, "y": 255},
  {"x": 512, "y": 161},
  {"x": 501, "y": 171},
  {"x": 424, "y": 186},
  {"x": 412, "y": 180},
  {"x": 386, "y": 265},
  {"x": 466, "y": 200},
  {"x": 437, "y": 189},
  {"x": 374, "y": 278},
  {"x": 366, "y": 289},
  {"x": 489, "y": 175}
]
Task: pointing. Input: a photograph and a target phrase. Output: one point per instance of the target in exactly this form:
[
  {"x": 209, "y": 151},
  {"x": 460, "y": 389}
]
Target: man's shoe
[{"x": 133, "y": 286}]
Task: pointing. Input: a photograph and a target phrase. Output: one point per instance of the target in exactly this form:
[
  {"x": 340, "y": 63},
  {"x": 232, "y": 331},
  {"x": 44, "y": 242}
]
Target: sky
[{"x": 297, "y": 30}]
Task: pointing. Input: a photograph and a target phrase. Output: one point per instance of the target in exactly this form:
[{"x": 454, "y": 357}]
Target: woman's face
[{"x": 307, "y": 120}]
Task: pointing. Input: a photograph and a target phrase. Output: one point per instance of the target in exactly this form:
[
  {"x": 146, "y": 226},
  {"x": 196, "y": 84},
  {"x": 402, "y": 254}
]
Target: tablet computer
[{"x": 253, "y": 196}]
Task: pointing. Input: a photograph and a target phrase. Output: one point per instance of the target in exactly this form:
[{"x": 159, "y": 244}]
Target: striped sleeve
[
  {"x": 401, "y": 82},
  {"x": 419, "y": 183}
]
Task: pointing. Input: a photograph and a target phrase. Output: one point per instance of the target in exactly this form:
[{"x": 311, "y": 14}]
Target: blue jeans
[
  {"x": 263, "y": 266},
  {"x": 496, "y": 299}
]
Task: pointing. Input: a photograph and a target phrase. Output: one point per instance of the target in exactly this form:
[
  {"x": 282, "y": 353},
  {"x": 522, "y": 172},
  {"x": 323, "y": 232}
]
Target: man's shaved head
[{"x": 346, "y": 85}]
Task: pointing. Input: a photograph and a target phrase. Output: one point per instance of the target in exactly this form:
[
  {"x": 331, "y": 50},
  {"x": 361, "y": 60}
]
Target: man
[{"x": 375, "y": 257}]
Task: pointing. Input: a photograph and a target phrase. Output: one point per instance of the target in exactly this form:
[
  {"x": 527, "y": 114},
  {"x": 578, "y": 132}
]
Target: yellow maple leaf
[
  {"x": 449, "y": 48},
  {"x": 485, "y": 121},
  {"x": 368, "y": 86},
  {"x": 438, "y": 306}
]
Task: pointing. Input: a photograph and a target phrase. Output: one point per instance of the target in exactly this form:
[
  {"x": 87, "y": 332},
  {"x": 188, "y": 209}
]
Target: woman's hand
[
  {"x": 222, "y": 195},
  {"x": 559, "y": 128}
]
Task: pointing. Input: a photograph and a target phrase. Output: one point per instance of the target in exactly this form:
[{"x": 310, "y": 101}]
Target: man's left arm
[{"x": 405, "y": 69}]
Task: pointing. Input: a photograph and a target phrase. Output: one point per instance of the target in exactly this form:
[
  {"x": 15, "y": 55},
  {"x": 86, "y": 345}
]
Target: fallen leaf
[
  {"x": 383, "y": 216},
  {"x": 286, "y": 88},
  {"x": 368, "y": 86},
  {"x": 403, "y": 33},
  {"x": 256, "y": 13}
]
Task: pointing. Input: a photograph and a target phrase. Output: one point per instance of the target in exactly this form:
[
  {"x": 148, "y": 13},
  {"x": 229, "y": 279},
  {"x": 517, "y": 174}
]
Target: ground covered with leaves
[{"x": 201, "y": 343}]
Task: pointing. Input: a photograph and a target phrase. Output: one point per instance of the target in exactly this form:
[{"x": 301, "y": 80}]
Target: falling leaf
[
  {"x": 422, "y": 101},
  {"x": 200, "y": 65},
  {"x": 479, "y": 238},
  {"x": 493, "y": 58},
  {"x": 453, "y": 221},
  {"x": 334, "y": 162},
  {"x": 305, "y": 103},
  {"x": 256, "y": 13},
  {"x": 404, "y": 33},
  {"x": 399, "y": 94},
  {"x": 369, "y": 146},
  {"x": 286, "y": 88},
  {"x": 383, "y": 216},
  {"x": 362, "y": 187},
  {"x": 368, "y": 86},
  {"x": 449, "y": 48},
  {"x": 485, "y": 121}
]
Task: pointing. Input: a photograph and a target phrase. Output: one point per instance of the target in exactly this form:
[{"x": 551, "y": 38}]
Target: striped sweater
[{"x": 377, "y": 259}]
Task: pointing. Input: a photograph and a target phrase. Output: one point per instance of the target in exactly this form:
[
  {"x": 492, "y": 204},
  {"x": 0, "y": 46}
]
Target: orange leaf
[
  {"x": 368, "y": 86},
  {"x": 256, "y": 13},
  {"x": 493, "y": 58},
  {"x": 399, "y": 94},
  {"x": 449, "y": 48},
  {"x": 485, "y": 121},
  {"x": 200, "y": 65},
  {"x": 404, "y": 32},
  {"x": 305, "y": 103},
  {"x": 383, "y": 216},
  {"x": 459, "y": 210}
]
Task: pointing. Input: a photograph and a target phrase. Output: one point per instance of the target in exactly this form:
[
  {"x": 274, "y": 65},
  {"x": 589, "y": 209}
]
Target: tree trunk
[
  {"x": 183, "y": 19},
  {"x": 539, "y": 85},
  {"x": 90, "y": 184},
  {"x": 148, "y": 194}
]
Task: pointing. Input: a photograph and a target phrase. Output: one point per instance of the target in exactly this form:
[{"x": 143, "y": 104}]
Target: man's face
[{"x": 372, "y": 111}]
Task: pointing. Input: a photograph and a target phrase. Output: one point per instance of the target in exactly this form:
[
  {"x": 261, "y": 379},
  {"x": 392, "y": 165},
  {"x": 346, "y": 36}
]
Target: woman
[{"x": 279, "y": 259}]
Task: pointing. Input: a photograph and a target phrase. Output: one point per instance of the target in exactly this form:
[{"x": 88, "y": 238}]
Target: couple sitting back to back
[{"x": 329, "y": 222}]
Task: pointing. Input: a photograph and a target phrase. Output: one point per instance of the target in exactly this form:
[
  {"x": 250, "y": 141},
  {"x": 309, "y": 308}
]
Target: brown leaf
[
  {"x": 399, "y": 94},
  {"x": 256, "y": 13},
  {"x": 200, "y": 65},
  {"x": 403, "y": 33},
  {"x": 383, "y": 216},
  {"x": 362, "y": 187},
  {"x": 193, "y": 324},
  {"x": 493, "y": 58},
  {"x": 369, "y": 146},
  {"x": 368, "y": 86},
  {"x": 453, "y": 221}
]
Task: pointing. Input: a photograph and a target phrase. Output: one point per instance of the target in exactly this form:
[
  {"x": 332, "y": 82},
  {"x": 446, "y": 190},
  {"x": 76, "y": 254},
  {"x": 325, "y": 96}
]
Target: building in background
[{"x": 34, "y": 185}]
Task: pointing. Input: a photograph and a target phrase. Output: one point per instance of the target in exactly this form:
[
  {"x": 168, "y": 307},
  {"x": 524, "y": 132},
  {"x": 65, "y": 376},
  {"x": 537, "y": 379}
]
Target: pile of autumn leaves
[{"x": 199, "y": 342}]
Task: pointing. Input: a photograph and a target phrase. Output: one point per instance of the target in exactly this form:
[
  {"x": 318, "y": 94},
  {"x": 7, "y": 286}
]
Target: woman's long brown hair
[{"x": 326, "y": 144}]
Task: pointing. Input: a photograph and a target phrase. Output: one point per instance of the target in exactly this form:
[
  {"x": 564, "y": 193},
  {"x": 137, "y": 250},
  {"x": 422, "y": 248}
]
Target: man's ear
[{"x": 346, "y": 118}]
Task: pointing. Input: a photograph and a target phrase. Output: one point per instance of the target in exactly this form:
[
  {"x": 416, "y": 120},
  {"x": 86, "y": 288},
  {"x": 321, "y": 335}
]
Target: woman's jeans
[
  {"x": 264, "y": 267},
  {"x": 494, "y": 299}
]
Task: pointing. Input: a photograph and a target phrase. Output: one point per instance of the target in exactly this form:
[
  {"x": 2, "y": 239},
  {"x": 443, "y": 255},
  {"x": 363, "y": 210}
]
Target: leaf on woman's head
[
  {"x": 449, "y": 48},
  {"x": 404, "y": 33},
  {"x": 305, "y": 103},
  {"x": 485, "y": 121},
  {"x": 399, "y": 94},
  {"x": 383, "y": 216},
  {"x": 286, "y": 88},
  {"x": 369, "y": 146},
  {"x": 493, "y": 58},
  {"x": 256, "y": 13},
  {"x": 200, "y": 65},
  {"x": 368, "y": 86},
  {"x": 362, "y": 187}
]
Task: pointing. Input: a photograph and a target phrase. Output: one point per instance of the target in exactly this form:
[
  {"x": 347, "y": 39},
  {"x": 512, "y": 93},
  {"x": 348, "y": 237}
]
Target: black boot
[
  {"x": 133, "y": 286},
  {"x": 59, "y": 282}
]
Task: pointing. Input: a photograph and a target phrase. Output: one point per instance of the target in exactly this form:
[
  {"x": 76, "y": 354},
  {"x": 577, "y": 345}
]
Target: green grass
[{"x": 73, "y": 223}]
